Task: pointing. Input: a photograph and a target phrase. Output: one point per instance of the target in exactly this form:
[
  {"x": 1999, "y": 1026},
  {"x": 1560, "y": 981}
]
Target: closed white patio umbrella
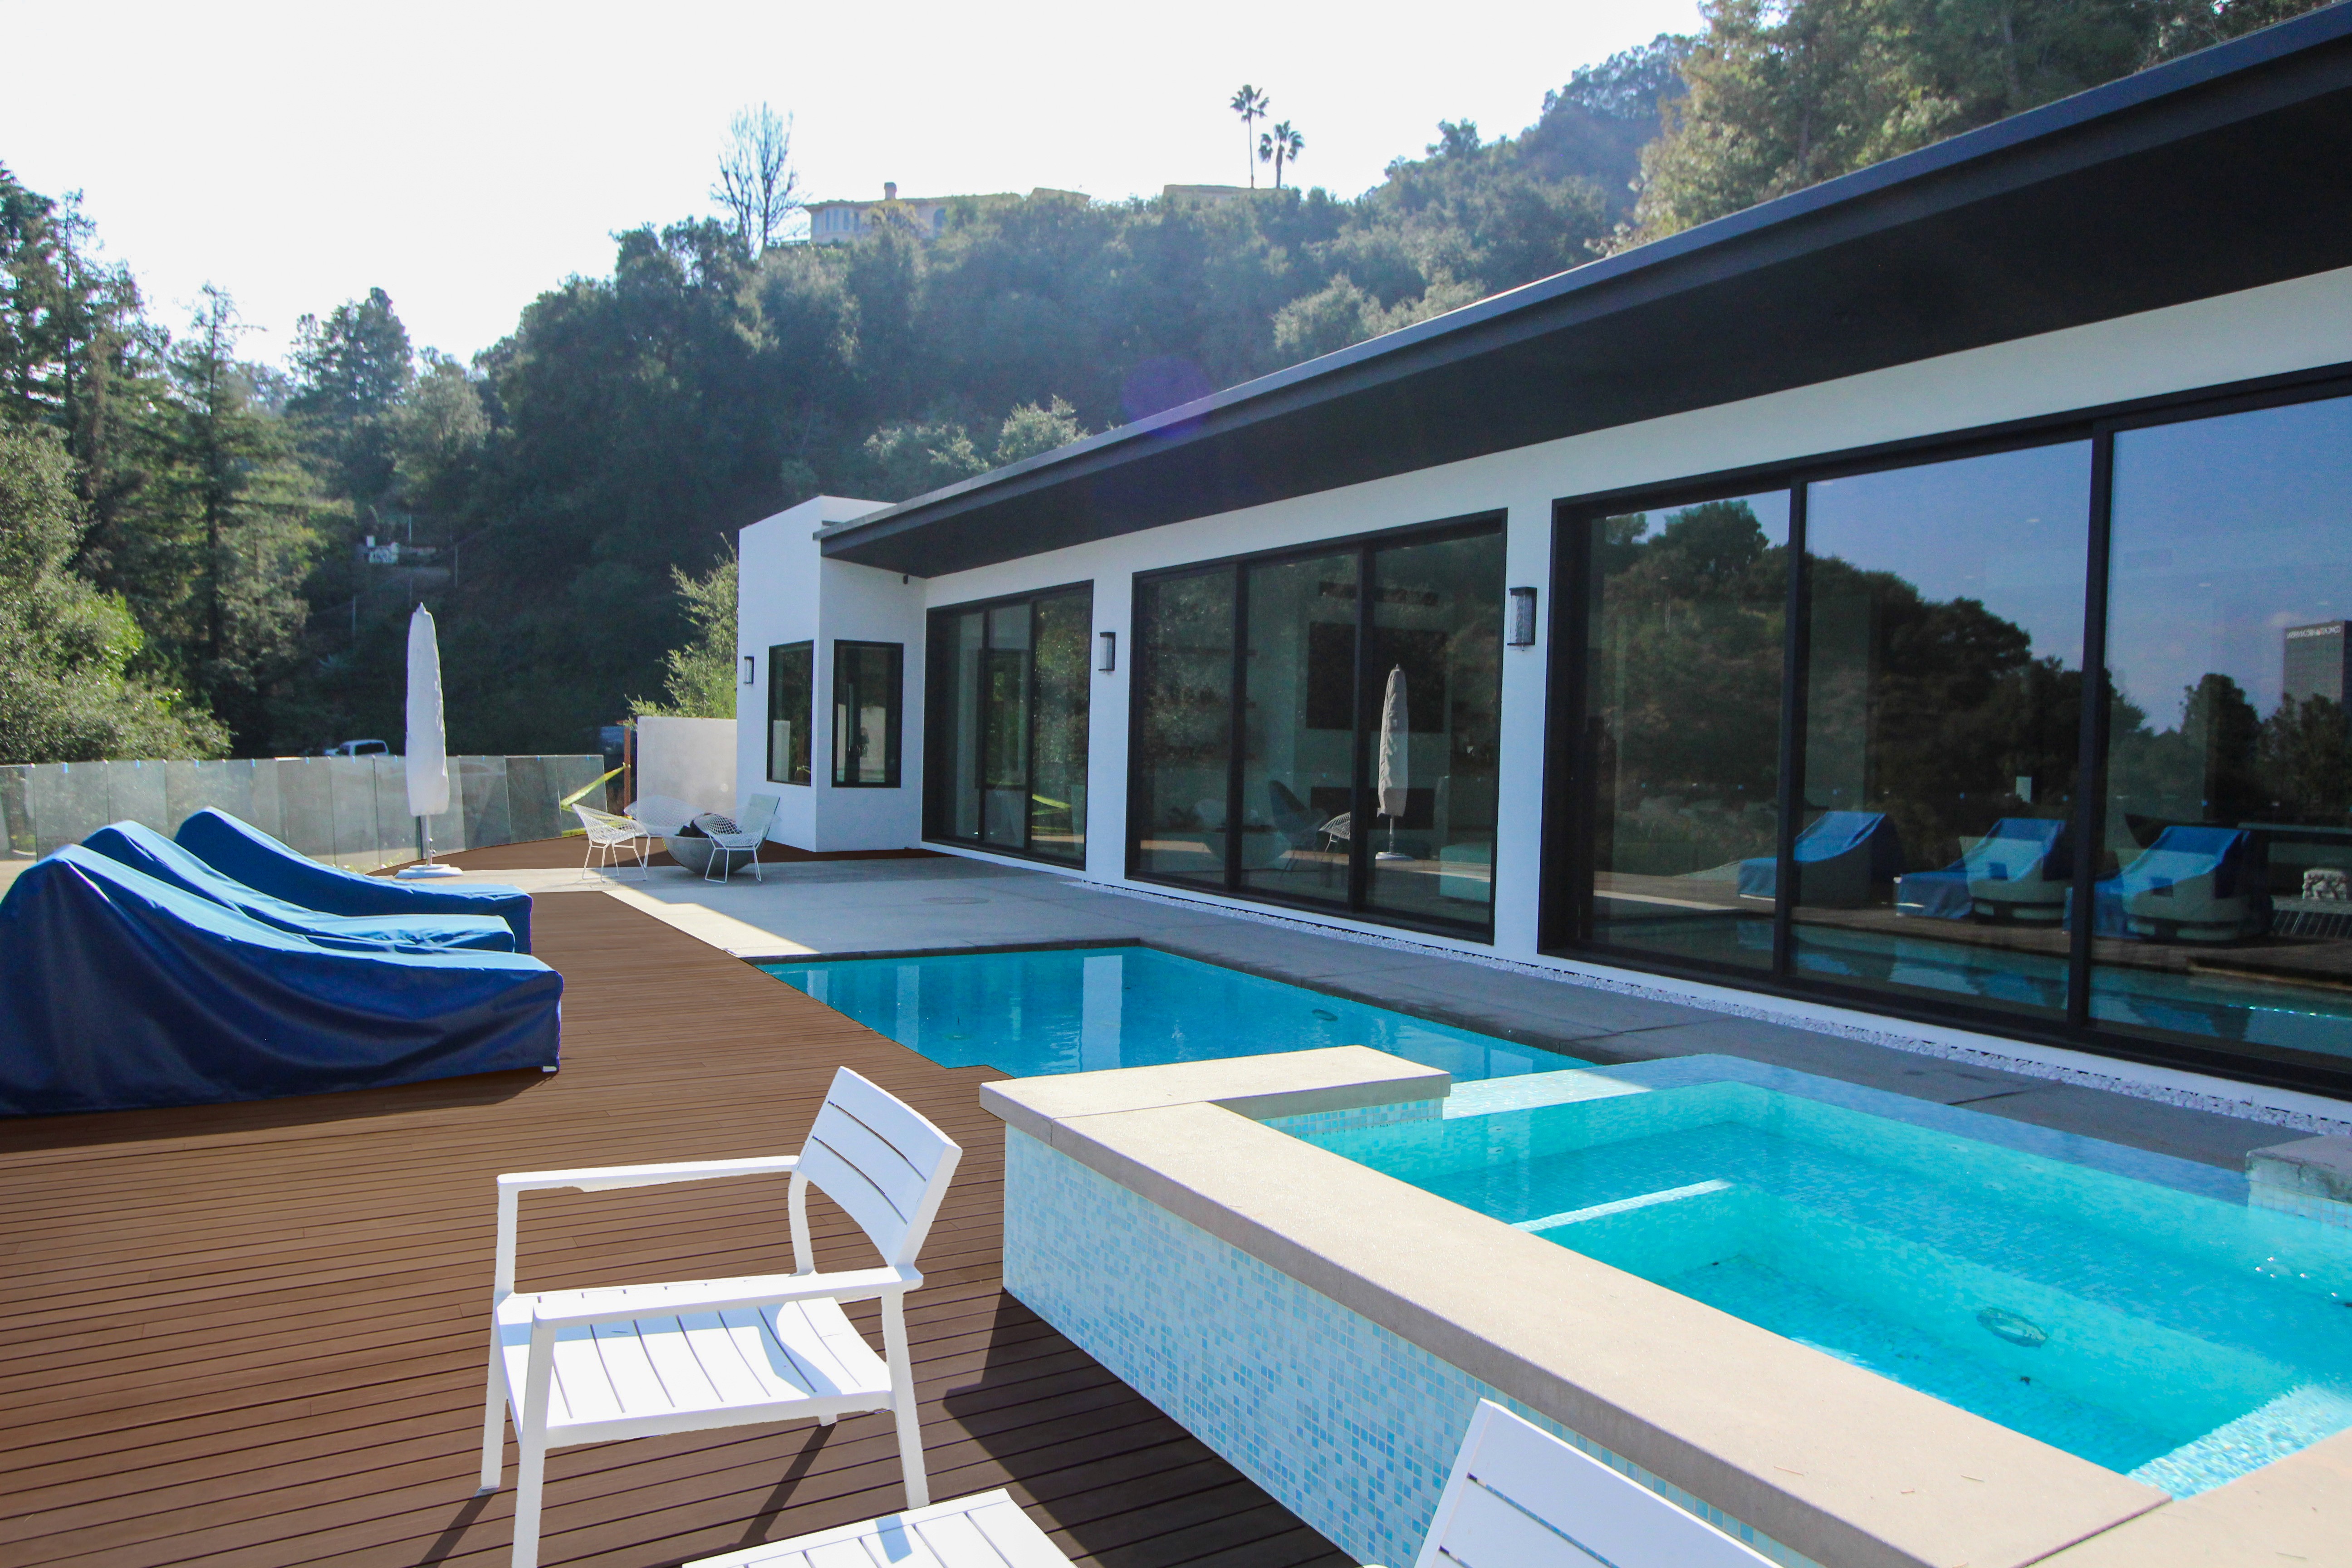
[
  {"x": 427, "y": 748},
  {"x": 1395, "y": 765}
]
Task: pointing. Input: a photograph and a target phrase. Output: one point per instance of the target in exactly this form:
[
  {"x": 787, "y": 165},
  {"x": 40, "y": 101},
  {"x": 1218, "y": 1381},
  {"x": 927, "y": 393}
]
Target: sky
[{"x": 466, "y": 157}]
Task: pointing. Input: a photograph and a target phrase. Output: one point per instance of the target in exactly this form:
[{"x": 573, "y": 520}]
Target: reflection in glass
[
  {"x": 1686, "y": 631},
  {"x": 1183, "y": 725},
  {"x": 1057, "y": 795},
  {"x": 792, "y": 679},
  {"x": 1007, "y": 700},
  {"x": 1004, "y": 728},
  {"x": 865, "y": 714},
  {"x": 1434, "y": 691},
  {"x": 2220, "y": 913},
  {"x": 1298, "y": 728},
  {"x": 1943, "y": 707}
]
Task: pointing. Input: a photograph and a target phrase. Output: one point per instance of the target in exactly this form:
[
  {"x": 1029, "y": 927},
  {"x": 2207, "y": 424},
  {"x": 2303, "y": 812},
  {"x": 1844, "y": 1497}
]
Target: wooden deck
[{"x": 253, "y": 1335}]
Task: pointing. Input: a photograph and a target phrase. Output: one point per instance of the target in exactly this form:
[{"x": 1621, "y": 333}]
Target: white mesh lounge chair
[
  {"x": 660, "y": 815},
  {"x": 607, "y": 835},
  {"x": 1518, "y": 1497},
  {"x": 750, "y": 834},
  {"x": 642, "y": 1361}
]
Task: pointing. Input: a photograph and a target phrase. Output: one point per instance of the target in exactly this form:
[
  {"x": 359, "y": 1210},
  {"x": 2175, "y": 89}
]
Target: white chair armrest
[
  {"x": 579, "y": 1309},
  {"x": 604, "y": 1178}
]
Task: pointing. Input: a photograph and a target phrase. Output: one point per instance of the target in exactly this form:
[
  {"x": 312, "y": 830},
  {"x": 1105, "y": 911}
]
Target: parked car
[{"x": 358, "y": 749}]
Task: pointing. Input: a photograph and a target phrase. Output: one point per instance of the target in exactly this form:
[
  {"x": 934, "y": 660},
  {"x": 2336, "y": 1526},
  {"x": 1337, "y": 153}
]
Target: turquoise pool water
[
  {"x": 2177, "y": 1337},
  {"x": 1080, "y": 1010}
]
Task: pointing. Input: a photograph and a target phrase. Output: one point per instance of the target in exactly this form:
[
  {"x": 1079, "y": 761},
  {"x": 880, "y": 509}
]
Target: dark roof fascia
[{"x": 2151, "y": 108}]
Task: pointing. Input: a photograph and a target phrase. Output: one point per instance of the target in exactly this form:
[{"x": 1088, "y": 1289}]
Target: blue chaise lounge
[
  {"x": 1838, "y": 859},
  {"x": 246, "y": 853},
  {"x": 120, "y": 991},
  {"x": 144, "y": 849},
  {"x": 2020, "y": 870}
]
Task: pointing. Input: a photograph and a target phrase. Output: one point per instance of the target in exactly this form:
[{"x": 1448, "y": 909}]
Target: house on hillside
[
  {"x": 1901, "y": 606},
  {"x": 840, "y": 222}
]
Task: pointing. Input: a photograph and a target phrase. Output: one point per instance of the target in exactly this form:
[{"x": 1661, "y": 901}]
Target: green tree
[
  {"x": 1279, "y": 145},
  {"x": 700, "y": 671},
  {"x": 1031, "y": 429},
  {"x": 1251, "y": 105},
  {"x": 67, "y": 693}
]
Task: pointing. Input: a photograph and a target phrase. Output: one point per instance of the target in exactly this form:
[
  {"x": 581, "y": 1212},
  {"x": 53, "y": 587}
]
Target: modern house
[{"x": 1878, "y": 602}]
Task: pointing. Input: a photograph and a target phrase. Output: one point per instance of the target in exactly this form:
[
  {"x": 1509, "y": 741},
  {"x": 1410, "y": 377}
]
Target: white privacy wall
[{"x": 2285, "y": 327}]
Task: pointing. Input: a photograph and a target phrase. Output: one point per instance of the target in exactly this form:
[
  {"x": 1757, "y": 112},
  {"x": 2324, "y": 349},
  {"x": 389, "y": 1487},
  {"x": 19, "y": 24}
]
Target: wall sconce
[
  {"x": 751, "y": 669},
  {"x": 1109, "y": 644},
  {"x": 1523, "y": 617}
]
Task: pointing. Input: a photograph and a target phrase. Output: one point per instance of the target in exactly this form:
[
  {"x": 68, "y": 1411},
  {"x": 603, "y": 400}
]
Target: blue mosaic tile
[{"x": 1345, "y": 1423}]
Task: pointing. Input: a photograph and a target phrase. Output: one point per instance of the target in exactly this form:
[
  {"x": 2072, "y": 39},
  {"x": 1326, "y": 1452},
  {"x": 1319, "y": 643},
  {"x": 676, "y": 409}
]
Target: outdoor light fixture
[
  {"x": 1109, "y": 660},
  {"x": 750, "y": 667},
  {"x": 1523, "y": 617}
]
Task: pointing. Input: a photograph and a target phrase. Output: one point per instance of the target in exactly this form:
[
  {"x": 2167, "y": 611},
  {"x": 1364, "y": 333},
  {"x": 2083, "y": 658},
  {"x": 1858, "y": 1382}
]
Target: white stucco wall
[
  {"x": 2283, "y": 328},
  {"x": 692, "y": 760}
]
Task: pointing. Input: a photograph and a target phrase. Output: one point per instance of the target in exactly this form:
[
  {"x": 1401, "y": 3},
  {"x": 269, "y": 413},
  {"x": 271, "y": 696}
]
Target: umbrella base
[{"x": 430, "y": 869}]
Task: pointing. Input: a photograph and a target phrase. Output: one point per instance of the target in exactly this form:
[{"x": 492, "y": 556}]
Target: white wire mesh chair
[
  {"x": 660, "y": 815},
  {"x": 750, "y": 833},
  {"x": 607, "y": 835}
]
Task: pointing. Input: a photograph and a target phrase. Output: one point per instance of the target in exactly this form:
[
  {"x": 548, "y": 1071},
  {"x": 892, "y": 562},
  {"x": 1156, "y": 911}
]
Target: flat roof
[{"x": 2212, "y": 174}]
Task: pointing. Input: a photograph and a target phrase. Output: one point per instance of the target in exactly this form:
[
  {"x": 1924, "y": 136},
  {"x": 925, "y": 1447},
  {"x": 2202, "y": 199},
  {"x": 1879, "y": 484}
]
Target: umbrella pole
[{"x": 424, "y": 841}]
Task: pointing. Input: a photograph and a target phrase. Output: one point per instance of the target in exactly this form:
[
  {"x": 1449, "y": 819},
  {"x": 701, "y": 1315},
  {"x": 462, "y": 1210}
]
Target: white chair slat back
[
  {"x": 881, "y": 1162},
  {"x": 1512, "y": 1478}
]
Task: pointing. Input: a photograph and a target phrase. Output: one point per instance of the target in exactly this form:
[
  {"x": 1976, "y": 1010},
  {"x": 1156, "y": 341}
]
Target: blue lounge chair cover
[
  {"x": 144, "y": 849},
  {"x": 118, "y": 991},
  {"x": 1835, "y": 835},
  {"x": 2016, "y": 850},
  {"x": 2180, "y": 853},
  {"x": 246, "y": 853},
  {"x": 1935, "y": 894}
]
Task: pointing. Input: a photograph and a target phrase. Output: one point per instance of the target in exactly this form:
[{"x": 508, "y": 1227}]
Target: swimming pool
[
  {"x": 2129, "y": 1309},
  {"x": 1080, "y": 1010}
]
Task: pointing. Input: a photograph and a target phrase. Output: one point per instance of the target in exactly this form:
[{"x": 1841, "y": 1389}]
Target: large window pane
[
  {"x": 1004, "y": 728},
  {"x": 1943, "y": 707},
  {"x": 952, "y": 696},
  {"x": 1434, "y": 697},
  {"x": 1057, "y": 794},
  {"x": 1299, "y": 737},
  {"x": 1183, "y": 725},
  {"x": 792, "y": 679},
  {"x": 865, "y": 683},
  {"x": 2220, "y": 913},
  {"x": 1686, "y": 631}
]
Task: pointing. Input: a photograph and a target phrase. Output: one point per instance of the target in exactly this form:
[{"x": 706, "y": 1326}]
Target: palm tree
[
  {"x": 1277, "y": 145},
  {"x": 1249, "y": 104}
]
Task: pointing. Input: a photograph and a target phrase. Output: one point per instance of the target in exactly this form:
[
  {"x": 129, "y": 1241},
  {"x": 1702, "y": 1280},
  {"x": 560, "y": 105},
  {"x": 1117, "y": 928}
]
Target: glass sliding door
[
  {"x": 1260, "y": 765},
  {"x": 1434, "y": 695},
  {"x": 1298, "y": 727},
  {"x": 1181, "y": 727},
  {"x": 1007, "y": 703},
  {"x": 1062, "y": 632},
  {"x": 1943, "y": 714},
  {"x": 2222, "y": 915},
  {"x": 1685, "y": 618}
]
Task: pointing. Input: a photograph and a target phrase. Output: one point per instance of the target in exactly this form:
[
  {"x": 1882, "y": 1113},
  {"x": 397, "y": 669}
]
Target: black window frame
[
  {"x": 938, "y": 693},
  {"x": 1565, "y": 880},
  {"x": 782, "y": 683},
  {"x": 1489, "y": 521},
  {"x": 893, "y": 708}
]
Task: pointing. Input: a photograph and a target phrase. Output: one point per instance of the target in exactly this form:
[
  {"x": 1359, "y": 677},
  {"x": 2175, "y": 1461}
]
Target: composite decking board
[{"x": 253, "y": 1334}]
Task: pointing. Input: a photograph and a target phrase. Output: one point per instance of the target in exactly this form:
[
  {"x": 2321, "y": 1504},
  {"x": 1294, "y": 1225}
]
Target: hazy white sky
[{"x": 466, "y": 157}]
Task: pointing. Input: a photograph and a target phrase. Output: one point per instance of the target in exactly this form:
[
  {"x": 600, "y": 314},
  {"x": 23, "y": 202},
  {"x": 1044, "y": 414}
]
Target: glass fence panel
[
  {"x": 306, "y": 808},
  {"x": 482, "y": 783},
  {"x": 135, "y": 793},
  {"x": 16, "y": 820},
  {"x": 351, "y": 797},
  {"x": 67, "y": 802}
]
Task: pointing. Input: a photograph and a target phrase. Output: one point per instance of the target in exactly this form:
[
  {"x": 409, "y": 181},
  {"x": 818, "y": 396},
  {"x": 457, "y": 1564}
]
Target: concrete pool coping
[{"x": 1849, "y": 1468}]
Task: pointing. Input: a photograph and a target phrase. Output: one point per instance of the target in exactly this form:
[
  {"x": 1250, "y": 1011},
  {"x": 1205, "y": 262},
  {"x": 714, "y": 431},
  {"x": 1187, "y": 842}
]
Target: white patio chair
[
  {"x": 607, "y": 835},
  {"x": 1518, "y": 1497},
  {"x": 750, "y": 834},
  {"x": 660, "y": 815},
  {"x": 639, "y": 1360}
]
